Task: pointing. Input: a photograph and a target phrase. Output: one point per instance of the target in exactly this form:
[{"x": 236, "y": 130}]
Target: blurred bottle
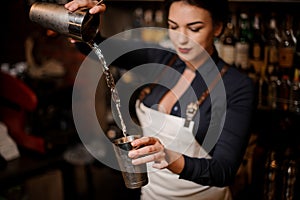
[
  {"x": 263, "y": 90},
  {"x": 253, "y": 73},
  {"x": 257, "y": 44},
  {"x": 159, "y": 33},
  {"x": 272, "y": 76},
  {"x": 283, "y": 93},
  {"x": 297, "y": 54},
  {"x": 159, "y": 18},
  {"x": 287, "y": 47},
  {"x": 242, "y": 44},
  {"x": 272, "y": 44},
  {"x": 138, "y": 18},
  {"x": 228, "y": 41},
  {"x": 147, "y": 32},
  {"x": 272, "y": 177},
  {"x": 295, "y": 93},
  {"x": 289, "y": 169},
  {"x": 149, "y": 18}
]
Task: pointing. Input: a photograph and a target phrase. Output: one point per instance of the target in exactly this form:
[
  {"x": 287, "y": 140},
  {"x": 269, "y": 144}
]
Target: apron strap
[{"x": 192, "y": 107}]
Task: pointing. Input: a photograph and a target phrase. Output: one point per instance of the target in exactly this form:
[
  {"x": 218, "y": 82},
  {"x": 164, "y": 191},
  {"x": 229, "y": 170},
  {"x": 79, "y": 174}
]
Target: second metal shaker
[
  {"x": 79, "y": 24},
  {"x": 134, "y": 176}
]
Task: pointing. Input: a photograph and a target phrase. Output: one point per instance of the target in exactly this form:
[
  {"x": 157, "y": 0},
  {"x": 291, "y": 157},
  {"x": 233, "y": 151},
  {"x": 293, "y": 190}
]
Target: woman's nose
[{"x": 182, "y": 37}]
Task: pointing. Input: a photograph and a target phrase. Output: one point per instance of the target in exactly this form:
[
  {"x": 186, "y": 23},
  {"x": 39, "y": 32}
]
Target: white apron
[{"x": 163, "y": 184}]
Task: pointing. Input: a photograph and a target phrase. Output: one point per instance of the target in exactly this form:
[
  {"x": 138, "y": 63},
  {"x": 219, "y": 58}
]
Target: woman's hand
[
  {"x": 95, "y": 7},
  {"x": 152, "y": 150}
]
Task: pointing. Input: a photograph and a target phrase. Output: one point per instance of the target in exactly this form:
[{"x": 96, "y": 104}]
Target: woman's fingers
[
  {"x": 148, "y": 145},
  {"x": 144, "y": 141},
  {"x": 74, "y": 5},
  {"x": 95, "y": 7},
  {"x": 98, "y": 9},
  {"x": 151, "y": 151},
  {"x": 156, "y": 157},
  {"x": 145, "y": 151}
]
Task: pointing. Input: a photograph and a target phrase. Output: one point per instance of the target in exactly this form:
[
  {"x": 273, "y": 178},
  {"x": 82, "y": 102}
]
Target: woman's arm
[{"x": 228, "y": 153}]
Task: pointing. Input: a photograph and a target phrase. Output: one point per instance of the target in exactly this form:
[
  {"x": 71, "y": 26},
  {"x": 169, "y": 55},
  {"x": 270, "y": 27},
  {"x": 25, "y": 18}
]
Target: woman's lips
[{"x": 184, "y": 50}]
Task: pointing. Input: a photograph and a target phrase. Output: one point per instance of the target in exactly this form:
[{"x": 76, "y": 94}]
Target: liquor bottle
[
  {"x": 159, "y": 18},
  {"x": 272, "y": 76},
  {"x": 137, "y": 22},
  {"x": 271, "y": 60},
  {"x": 287, "y": 47},
  {"x": 289, "y": 169},
  {"x": 160, "y": 33},
  {"x": 263, "y": 90},
  {"x": 283, "y": 93},
  {"x": 295, "y": 93},
  {"x": 272, "y": 44},
  {"x": 242, "y": 44},
  {"x": 148, "y": 18},
  {"x": 257, "y": 44},
  {"x": 297, "y": 54},
  {"x": 272, "y": 177},
  {"x": 138, "y": 18},
  {"x": 148, "y": 33},
  {"x": 228, "y": 41}
]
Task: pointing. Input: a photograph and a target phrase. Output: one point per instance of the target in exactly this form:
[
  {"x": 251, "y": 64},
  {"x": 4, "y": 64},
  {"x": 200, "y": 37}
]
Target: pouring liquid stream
[{"x": 110, "y": 83}]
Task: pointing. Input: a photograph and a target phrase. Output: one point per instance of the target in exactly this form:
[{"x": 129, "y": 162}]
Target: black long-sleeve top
[{"x": 227, "y": 153}]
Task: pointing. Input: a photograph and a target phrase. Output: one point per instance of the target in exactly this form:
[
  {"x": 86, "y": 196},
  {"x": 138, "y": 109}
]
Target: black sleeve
[
  {"x": 144, "y": 52},
  {"x": 228, "y": 152}
]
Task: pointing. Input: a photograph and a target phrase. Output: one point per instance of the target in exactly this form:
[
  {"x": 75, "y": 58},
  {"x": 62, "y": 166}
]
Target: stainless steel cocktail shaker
[
  {"x": 79, "y": 24},
  {"x": 135, "y": 176}
]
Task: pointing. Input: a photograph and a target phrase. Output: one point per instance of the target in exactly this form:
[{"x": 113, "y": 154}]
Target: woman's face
[{"x": 189, "y": 27}]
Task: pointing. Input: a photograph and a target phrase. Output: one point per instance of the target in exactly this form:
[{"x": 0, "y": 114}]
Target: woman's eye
[
  {"x": 195, "y": 29},
  {"x": 173, "y": 27}
]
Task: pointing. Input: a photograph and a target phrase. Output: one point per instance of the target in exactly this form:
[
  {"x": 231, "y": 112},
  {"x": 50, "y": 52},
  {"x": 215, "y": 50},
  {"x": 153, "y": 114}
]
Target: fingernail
[
  {"x": 91, "y": 11},
  {"x": 131, "y": 154}
]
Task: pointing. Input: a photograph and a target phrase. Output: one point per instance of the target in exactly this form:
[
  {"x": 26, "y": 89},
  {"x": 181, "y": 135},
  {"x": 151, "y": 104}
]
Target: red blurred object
[{"x": 18, "y": 99}]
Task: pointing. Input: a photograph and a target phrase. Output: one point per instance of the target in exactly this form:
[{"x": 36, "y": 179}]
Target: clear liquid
[{"x": 110, "y": 83}]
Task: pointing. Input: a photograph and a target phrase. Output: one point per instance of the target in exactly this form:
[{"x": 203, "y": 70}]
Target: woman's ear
[{"x": 218, "y": 29}]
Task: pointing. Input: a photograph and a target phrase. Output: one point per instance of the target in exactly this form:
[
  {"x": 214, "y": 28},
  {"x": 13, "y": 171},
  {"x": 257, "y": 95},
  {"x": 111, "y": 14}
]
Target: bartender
[{"x": 187, "y": 168}]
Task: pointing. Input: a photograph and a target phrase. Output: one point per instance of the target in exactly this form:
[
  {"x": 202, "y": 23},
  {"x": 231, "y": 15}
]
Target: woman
[{"x": 187, "y": 168}]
